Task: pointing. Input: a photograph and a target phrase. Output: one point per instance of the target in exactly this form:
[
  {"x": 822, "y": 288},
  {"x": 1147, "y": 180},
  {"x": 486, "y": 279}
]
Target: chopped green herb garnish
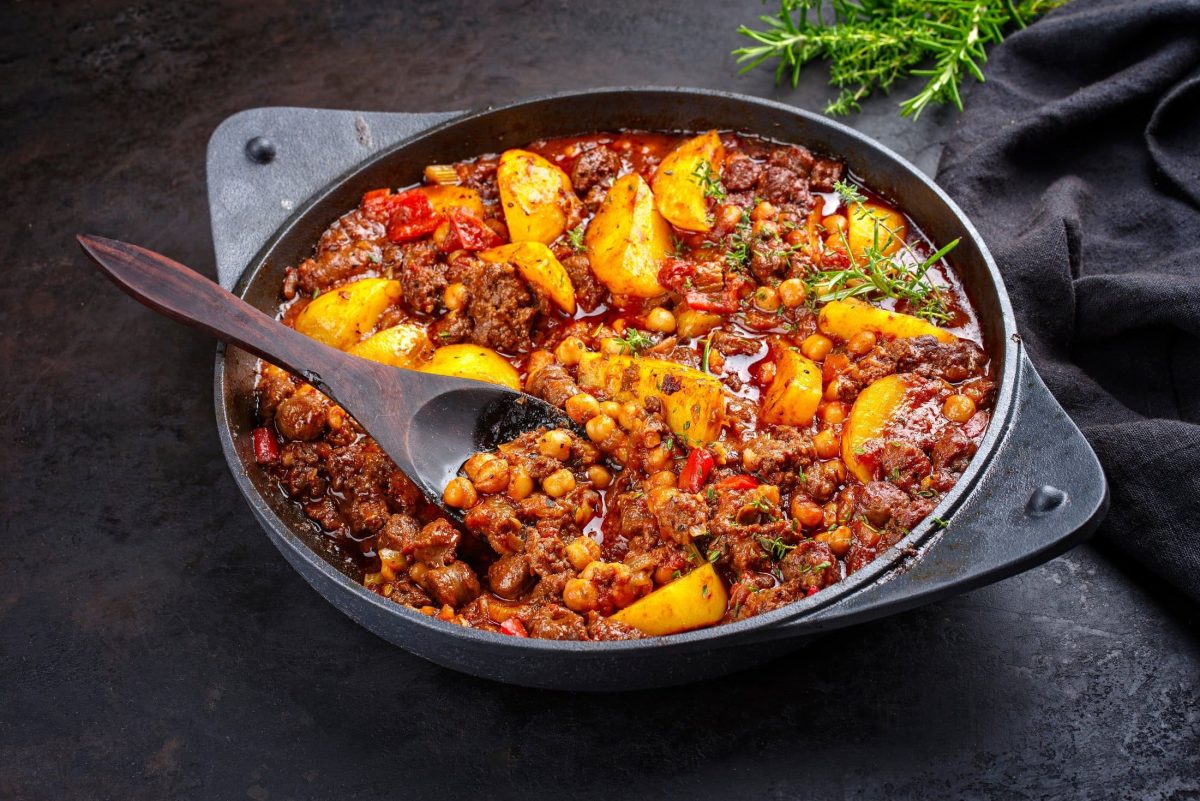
[{"x": 575, "y": 238}]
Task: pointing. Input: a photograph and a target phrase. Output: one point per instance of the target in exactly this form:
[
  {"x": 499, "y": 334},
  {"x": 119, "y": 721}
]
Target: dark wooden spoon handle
[{"x": 184, "y": 295}]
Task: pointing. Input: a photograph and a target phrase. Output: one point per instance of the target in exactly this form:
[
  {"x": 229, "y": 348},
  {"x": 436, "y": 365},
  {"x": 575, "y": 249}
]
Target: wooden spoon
[{"x": 428, "y": 424}]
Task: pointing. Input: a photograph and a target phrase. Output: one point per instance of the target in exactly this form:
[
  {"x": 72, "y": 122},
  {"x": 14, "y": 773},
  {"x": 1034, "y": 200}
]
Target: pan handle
[{"x": 1043, "y": 492}]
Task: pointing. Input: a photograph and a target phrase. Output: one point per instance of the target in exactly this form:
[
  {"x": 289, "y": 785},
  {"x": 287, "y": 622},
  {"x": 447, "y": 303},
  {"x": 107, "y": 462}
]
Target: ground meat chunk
[
  {"x": 365, "y": 516},
  {"x": 793, "y": 157},
  {"x": 509, "y": 575},
  {"x": 730, "y": 344},
  {"x": 769, "y": 261},
  {"x": 301, "y": 416},
  {"x": 495, "y": 518},
  {"x": 434, "y": 544},
  {"x": 452, "y": 585},
  {"x": 349, "y": 247},
  {"x": 480, "y": 175},
  {"x": 859, "y": 556},
  {"x": 880, "y": 501},
  {"x": 781, "y": 185},
  {"x": 595, "y": 167},
  {"x": 552, "y": 384},
  {"x": 629, "y": 517},
  {"x": 904, "y": 463},
  {"x": 554, "y": 622},
  {"x": 824, "y": 173},
  {"x": 952, "y": 450},
  {"x": 501, "y": 307},
  {"x": 681, "y": 516},
  {"x": 926, "y": 356},
  {"x": 779, "y": 455},
  {"x": 740, "y": 172},
  {"x": 916, "y": 510},
  {"x": 810, "y": 563},
  {"x": 603, "y": 628},
  {"x": 403, "y": 590},
  {"x": 422, "y": 278},
  {"x": 588, "y": 291}
]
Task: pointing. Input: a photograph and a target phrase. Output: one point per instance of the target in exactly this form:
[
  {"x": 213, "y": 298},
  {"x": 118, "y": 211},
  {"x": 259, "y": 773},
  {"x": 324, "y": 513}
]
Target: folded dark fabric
[{"x": 1079, "y": 161}]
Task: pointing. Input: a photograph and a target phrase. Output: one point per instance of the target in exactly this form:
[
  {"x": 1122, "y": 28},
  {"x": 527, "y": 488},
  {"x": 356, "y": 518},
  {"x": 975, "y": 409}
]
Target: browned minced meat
[{"x": 566, "y": 527}]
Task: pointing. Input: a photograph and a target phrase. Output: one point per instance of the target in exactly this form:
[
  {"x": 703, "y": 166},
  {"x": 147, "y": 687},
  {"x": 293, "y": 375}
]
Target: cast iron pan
[{"x": 1033, "y": 490}]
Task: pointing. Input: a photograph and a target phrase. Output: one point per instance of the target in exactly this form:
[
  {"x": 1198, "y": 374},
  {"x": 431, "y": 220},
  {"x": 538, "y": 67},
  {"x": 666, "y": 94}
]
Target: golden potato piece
[
  {"x": 845, "y": 318},
  {"x": 694, "y": 402},
  {"x": 404, "y": 345},
  {"x": 341, "y": 317},
  {"x": 539, "y": 267},
  {"x": 694, "y": 601},
  {"x": 628, "y": 238},
  {"x": 445, "y": 198},
  {"x": 691, "y": 323},
  {"x": 795, "y": 393},
  {"x": 683, "y": 178},
  {"x": 874, "y": 225},
  {"x": 536, "y": 196},
  {"x": 869, "y": 417},
  {"x": 473, "y": 361}
]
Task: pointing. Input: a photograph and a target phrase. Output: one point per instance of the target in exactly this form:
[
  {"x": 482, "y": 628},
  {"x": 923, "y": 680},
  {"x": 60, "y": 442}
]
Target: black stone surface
[{"x": 154, "y": 645}]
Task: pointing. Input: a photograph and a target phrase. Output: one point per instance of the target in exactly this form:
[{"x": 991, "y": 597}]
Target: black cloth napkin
[{"x": 1079, "y": 161}]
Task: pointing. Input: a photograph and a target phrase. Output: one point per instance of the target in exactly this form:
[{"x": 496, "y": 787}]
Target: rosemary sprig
[{"x": 870, "y": 44}]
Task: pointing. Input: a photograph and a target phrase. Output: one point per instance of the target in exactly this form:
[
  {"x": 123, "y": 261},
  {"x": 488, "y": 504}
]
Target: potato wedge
[
  {"x": 536, "y": 196},
  {"x": 404, "y": 345},
  {"x": 696, "y": 600},
  {"x": 874, "y": 225},
  {"x": 869, "y": 417},
  {"x": 628, "y": 238},
  {"x": 845, "y": 318},
  {"x": 538, "y": 266},
  {"x": 473, "y": 361},
  {"x": 342, "y": 316},
  {"x": 795, "y": 393},
  {"x": 691, "y": 323},
  {"x": 694, "y": 402},
  {"x": 680, "y": 182},
  {"x": 445, "y": 198}
]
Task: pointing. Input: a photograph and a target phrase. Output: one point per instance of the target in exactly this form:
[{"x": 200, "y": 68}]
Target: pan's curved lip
[{"x": 729, "y": 634}]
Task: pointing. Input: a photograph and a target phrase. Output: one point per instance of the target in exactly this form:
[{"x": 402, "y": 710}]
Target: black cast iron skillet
[{"x": 1033, "y": 490}]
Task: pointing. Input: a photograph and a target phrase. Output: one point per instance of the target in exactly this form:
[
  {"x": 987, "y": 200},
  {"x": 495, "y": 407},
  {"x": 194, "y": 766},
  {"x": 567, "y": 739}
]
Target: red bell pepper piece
[
  {"x": 468, "y": 232},
  {"x": 674, "y": 273},
  {"x": 695, "y": 471},
  {"x": 410, "y": 216},
  {"x": 514, "y": 627},
  {"x": 266, "y": 447},
  {"x": 738, "y": 483}
]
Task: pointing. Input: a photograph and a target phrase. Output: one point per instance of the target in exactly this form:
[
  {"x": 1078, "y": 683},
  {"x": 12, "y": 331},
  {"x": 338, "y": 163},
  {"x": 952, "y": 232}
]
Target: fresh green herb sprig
[
  {"x": 634, "y": 341},
  {"x": 870, "y": 44},
  {"x": 709, "y": 180},
  {"x": 575, "y": 238}
]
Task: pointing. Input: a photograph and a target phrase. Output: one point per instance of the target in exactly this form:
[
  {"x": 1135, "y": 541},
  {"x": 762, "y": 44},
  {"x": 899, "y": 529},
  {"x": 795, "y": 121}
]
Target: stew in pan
[{"x": 774, "y": 375}]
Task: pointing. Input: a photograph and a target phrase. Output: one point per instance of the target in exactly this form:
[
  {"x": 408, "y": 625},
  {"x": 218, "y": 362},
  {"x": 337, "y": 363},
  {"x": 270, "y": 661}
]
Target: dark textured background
[{"x": 154, "y": 645}]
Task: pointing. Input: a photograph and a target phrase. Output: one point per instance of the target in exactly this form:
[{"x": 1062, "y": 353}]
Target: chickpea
[
  {"x": 600, "y": 427},
  {"x": 580, "y": 595},
  {"x": 570, "y": 351},
  {"x": 835, "y": 242},
  {"x": 630, "y": 416},
  {"x": 651, "y": 438},
  {"x": 827, "y": 443},
  {"x": 958, "y": 408},
  {"x": 834, "y": 366},
  {"x": 838, "y": 540},
  {"x": 861, "y": 343},
  {"x": 769, "y": 493},
  {"x": 489, "y": 474},
  {"x": 766, "y": 229},
  {"x": 663, "y": 574},
  {"x": 763, "y": 211},
  {"x": 599, "y": 476},
  {"x": 816, "y": 347},
  {"x": 539, "y": 359},
  {"x": 805, "y": 512},
  {"x": 611, "y": 408},
  {"x": 657, "y": 459},
  {"x": 836, "y": 469},
  {"x": 833, "y": 390},
  {"x": 766, "y": 298},
  {"x": 460, "y": 493},
  {"x": 582, "y": 407},
  {"x": 792, "y": 292},
  {"x": 834, "y": 223},
  {"x": 455, "y": 297},
  {"x": 795, "y": 237},
  {"x": 558, "y": 483},
  {"x": 660, "y": 320},
  {"x": 612, "y": 346},
  {"x": 582, "y": 551},
  {"x": 520, "y": 484},
  {"x": 556, "y": 444},
  {"x": 663, "y": 478},
  {"x": 751, "y": 460},
  {"x": 728, "y": 216},
  {"x": 832, "y": 412}
]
